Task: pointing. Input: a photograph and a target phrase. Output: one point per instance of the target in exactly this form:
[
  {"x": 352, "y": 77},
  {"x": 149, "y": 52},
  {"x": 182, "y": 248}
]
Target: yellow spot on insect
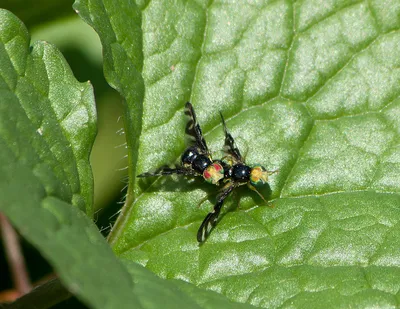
[{"x": 258, "y": 174}]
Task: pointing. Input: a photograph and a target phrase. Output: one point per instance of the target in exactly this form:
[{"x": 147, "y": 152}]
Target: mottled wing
[
  {"x": 166, "y": 170},
  {"x": 193, "y": 129},
  {"x": 230, "y": 145},
  {"x": 211, "y": 219}
]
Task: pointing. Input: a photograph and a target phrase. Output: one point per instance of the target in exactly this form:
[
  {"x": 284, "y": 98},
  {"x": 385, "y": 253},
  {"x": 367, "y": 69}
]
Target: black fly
[
  {"x": 231, "y": 171},
  {"x": 236, "y": 173},
  {"x": 196, "y": 159}
]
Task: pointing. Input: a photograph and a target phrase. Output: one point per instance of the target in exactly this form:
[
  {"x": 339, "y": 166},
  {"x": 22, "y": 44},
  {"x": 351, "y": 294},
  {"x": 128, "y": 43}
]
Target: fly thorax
[{"x": 241, "y": 173}]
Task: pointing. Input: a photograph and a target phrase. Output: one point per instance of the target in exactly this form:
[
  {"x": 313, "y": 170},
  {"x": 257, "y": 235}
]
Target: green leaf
[
  {"x": 310, "y": 88},
  {"x": 174, "y": 293},
  {"x": 123, "y": 60},
  {"x": 47, "y": 117}
]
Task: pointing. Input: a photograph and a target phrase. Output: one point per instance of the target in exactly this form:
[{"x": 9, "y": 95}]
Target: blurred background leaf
[
  {"x": 38, "y": 12},
  {"x": 81, "y": 47}
]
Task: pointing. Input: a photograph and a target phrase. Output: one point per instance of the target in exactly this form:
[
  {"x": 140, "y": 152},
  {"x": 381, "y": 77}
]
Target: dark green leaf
[
  {"x": 310, "y": 88},
  {"x": 35, "y": 13}
]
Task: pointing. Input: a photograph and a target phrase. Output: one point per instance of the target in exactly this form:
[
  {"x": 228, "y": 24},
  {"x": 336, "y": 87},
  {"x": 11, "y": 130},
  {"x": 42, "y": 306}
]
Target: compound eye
[
  {"x": 213, "y": 173},
  {"x": 258, "y": 175}
]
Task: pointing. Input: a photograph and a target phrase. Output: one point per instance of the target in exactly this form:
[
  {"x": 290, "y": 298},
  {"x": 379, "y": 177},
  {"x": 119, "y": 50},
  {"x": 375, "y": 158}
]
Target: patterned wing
[
  {"x": 211, "y": 219},
  {"x": 230, "y": 145},
  {"x": 166, "y": 170},
  {"x": 193, "y": 129}
]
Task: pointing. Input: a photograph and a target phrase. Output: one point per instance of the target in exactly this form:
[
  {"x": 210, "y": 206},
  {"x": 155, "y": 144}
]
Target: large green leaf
[{"x": 310, "y": 88}]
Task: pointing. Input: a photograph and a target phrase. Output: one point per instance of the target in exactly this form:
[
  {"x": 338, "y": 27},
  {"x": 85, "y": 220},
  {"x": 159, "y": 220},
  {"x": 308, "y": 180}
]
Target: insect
[
  {"x": 196, "y": 159},
  {"x": 231, "y": 171},
  {"x": 236, "y": 173}
]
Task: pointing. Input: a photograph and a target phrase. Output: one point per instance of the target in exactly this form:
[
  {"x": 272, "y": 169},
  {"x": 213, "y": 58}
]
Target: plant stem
[
  {"x": 15, "y": 257},
  {"x": 42, "y": 297}
]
